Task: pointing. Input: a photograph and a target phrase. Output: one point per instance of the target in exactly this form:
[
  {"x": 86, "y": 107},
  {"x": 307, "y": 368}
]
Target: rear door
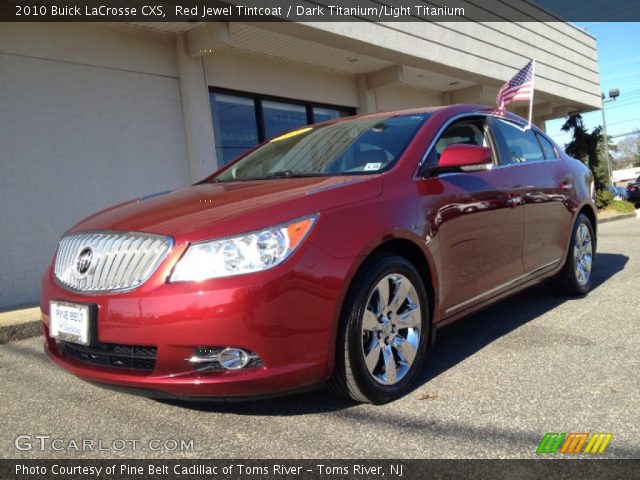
[{"x": 546, "y": 188}]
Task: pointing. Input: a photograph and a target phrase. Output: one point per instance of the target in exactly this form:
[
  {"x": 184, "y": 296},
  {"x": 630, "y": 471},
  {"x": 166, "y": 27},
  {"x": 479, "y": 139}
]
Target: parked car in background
[
  {"x": 619, "y": 193},
  {"x": 633, "y": 192},
  {"x": 329, "y": 254}
]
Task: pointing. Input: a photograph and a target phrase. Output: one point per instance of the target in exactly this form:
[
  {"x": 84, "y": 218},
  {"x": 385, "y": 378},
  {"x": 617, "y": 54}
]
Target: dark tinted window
[
  {"x": 547, "y": 147},
  {"x": 242, "y": 120},
  {"x": 320, "y": 114},
  {"x": 522, "y": 145},
  {"x": 234, "y": 125},
  {"x": 280, "y": 117}
]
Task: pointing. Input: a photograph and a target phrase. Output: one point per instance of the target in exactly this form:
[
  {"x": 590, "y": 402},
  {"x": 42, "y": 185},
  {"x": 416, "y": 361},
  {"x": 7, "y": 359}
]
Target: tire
[
  {"x": 378, "y": 337},
  {"x": 577, "y": 273}
]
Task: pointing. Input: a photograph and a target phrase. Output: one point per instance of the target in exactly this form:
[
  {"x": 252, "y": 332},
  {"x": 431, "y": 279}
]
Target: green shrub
[
  {"x": 603, "y": 198},
  {"x": 622, "y": 206}
]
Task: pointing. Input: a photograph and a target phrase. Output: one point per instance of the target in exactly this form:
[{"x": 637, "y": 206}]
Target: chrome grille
[{"x": 117, "y": 261}]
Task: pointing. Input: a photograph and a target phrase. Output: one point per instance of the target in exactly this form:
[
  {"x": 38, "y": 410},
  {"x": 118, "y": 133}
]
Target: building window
[
  {"x": 321, "y": 114},
  {"x": 243, "y": 120},
  {"x": 234, "y": 125},
  {"x": 280, "y": 117}
]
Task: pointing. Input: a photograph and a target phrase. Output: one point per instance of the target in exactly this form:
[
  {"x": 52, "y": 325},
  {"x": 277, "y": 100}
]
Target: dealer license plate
[{"x": 69, "y": 322}]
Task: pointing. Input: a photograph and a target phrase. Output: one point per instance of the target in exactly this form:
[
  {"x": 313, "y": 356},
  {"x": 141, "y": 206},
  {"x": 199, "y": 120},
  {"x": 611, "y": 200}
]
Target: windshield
[{"x": 351, "y": 147}]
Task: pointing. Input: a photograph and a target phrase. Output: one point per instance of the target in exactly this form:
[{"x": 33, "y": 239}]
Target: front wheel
[
  {"x": 383, "y": 332},
  {"x": 576, "y": 275}
]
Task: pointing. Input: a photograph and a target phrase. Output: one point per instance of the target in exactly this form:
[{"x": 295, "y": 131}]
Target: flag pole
[{"x": 533, "y": 80}]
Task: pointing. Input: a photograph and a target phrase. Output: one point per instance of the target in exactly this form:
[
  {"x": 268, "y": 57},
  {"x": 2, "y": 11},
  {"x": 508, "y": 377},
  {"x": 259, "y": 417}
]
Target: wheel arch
[
  {"x": 413, "y": 253},
  {"x": 588, "y": 210},
  {"x": 407, "y": 245},
  {"x": 590, "y": 213},
  {"x": 397, "y": 244}
]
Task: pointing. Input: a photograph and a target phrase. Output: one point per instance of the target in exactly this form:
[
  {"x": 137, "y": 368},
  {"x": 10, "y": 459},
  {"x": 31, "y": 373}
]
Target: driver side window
[{"x": 468, "y": 131}]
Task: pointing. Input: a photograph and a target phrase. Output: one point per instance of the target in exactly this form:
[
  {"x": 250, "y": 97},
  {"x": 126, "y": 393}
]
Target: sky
[{"x": 619, "y": 60}]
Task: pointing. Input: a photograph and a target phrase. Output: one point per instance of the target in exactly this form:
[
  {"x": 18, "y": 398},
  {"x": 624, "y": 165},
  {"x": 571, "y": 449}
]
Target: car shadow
[
  {"x": 465, "y": 337},
  {"x": 454, "y": 344}
]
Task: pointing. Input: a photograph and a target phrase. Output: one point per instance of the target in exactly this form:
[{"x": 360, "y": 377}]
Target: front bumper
[{"x": 286, "y": 315}]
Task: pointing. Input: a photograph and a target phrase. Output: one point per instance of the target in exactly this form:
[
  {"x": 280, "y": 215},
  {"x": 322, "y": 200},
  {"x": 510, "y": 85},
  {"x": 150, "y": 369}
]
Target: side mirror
[{"x": 462, "y": 155}]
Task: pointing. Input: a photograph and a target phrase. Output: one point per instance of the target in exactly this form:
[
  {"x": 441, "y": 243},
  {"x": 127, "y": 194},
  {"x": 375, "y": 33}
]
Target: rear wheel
[
  {"x": 575, "y": 277},
  {"x": 383, "y": 332}
]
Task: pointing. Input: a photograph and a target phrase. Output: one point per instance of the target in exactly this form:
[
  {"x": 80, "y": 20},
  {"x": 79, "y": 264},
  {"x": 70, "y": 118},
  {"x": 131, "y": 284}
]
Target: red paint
[{"x": 460, "y": 155}]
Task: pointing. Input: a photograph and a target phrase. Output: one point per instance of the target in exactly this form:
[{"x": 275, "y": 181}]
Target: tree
[
  {"x": 588, "y": 147},
  {"x": 629, "y": 151}
]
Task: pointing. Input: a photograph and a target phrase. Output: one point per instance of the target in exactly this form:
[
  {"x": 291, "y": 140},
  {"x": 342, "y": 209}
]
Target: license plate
[{"x": 69, "y": 322}]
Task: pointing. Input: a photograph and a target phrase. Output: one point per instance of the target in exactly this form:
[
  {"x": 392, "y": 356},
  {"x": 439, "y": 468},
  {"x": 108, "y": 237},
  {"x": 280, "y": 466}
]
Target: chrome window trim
[
  {"x": 170, "y": 245},
  {"x": 533, "y": 129},
  {"x": 460, "y": 116},
  {"x": 542, "y": 134}
]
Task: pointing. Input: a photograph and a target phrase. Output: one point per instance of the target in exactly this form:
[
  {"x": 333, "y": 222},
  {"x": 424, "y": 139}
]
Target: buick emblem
[{"x": 83, "y": 263}]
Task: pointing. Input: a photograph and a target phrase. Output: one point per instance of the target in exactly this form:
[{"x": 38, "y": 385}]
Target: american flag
[{"x": 520, "y": 87}]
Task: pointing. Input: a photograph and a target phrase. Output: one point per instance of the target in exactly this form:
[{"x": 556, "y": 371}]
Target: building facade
[{"x": 93, "y": 114}]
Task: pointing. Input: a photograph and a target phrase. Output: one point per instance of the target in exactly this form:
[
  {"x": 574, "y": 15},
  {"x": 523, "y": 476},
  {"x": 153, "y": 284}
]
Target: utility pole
[{"x": 613, "y": 94}]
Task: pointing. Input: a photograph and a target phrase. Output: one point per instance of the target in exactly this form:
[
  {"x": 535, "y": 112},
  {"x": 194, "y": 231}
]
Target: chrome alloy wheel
[
  {"x": 583, "y": 254},
  {"x": 391, "y": 329}
]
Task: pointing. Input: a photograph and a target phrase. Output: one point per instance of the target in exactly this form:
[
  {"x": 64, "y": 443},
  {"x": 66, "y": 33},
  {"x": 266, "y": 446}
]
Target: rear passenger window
[
  {"x": 547, "y": 147},
  {"x": 522, "y": 144}
]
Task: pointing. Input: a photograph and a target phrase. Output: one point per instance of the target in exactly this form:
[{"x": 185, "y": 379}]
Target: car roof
[{"x": 450, "y": 109}]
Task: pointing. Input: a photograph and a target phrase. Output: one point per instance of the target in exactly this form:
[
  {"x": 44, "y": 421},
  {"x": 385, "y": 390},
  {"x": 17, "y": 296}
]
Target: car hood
[{"x": 212, "y": 210}]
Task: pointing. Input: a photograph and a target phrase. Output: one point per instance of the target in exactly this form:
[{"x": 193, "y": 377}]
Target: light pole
[{"x": 613, "y": 94}]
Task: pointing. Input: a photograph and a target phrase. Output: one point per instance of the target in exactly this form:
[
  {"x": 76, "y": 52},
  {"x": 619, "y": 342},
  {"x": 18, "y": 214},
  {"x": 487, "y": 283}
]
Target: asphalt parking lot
[{"x": 495, "y": 383}]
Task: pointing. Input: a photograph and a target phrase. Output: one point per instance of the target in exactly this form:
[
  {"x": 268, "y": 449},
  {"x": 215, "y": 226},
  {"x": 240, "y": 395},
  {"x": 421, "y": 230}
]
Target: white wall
[
  {"x": 399, "y": 97},
  {"x": 80, "y": 129},
  {"x": 625, "y": 175},
  {"x": 251, "y": 73},
  {"x": 486, "y": 53}
]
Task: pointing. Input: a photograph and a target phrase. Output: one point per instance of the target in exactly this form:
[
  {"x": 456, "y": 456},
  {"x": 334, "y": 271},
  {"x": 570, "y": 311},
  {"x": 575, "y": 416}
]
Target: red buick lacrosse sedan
[{"x": 327, "y": 255}]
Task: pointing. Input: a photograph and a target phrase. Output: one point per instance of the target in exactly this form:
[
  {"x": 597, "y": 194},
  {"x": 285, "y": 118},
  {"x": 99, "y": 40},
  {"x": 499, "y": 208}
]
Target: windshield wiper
[
  {"x": 277, "y": 174},
  {"x": 290, "y": 174},
  {"x": 284, "y": 174}
]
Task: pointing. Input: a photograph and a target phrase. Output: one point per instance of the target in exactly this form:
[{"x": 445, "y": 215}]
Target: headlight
[{"x": 250, "y": 252}]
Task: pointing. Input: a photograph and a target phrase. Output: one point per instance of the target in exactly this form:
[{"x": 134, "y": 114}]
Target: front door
[{"x": 477, "y": 220}]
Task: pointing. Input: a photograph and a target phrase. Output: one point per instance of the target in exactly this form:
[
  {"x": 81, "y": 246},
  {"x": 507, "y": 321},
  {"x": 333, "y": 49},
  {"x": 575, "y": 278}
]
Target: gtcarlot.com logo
[
  {"x": 573, "y": 443},
  {"x": 49, "y": 443}
]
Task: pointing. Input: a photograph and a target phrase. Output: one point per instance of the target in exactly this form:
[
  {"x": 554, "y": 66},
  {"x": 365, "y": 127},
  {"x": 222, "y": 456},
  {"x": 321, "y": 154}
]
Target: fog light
[
  {"x": 233, "y": 358},
  {"x": 223, "y": 358}
]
